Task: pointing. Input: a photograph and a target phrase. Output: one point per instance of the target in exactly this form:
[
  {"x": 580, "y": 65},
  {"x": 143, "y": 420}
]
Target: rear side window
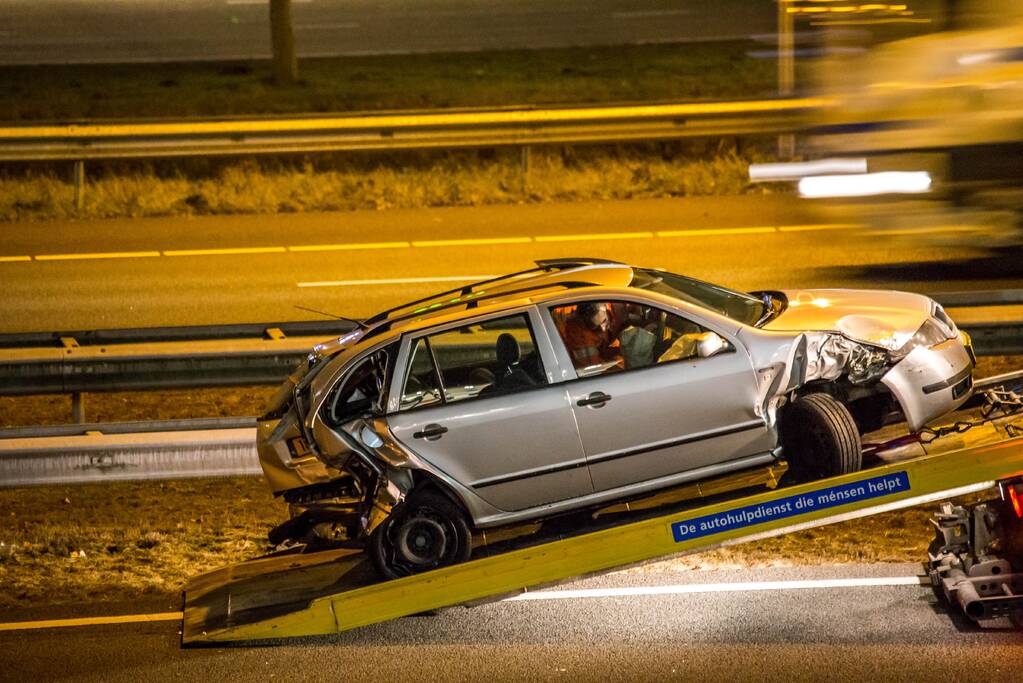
[{"x": 476, "y": 360}]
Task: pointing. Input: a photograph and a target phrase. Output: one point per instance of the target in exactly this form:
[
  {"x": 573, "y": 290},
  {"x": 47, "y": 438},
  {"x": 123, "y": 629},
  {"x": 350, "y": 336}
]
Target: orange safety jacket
[{"x": 589, "y": 346}]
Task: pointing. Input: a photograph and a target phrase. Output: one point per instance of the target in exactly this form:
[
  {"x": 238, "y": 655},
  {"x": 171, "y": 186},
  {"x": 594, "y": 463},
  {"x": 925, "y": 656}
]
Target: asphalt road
[
  {"x": 784, "y": 633},
  {"x": 223, "y": 269},
  {"x": 71, "y": 31}
]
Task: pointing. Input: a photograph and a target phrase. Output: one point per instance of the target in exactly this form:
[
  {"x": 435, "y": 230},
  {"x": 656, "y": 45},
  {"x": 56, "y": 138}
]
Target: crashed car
[{"x": 491, "y": 405}]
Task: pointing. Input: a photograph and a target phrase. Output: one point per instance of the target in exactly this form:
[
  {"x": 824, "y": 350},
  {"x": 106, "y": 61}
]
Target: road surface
[
  {"x": 225, "y": 269},
  {"x": 74, "y": 31},
  {"x": 786, "y": 626}
]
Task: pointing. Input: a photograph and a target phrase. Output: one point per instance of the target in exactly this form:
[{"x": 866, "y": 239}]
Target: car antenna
[{"x": 357, "y": 323}]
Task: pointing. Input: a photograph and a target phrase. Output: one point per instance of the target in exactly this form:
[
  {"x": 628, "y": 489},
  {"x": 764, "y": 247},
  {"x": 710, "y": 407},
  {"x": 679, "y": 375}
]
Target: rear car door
[
  {"x": 476, "y": 403},
  {"x": 646, "y": 404}
]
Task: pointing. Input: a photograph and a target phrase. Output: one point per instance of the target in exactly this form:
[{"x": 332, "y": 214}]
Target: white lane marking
[
  {"x": 633, "y": 591},
  {"x": 719, "y": 588},
  {"x": 349, "y": 246},
  {"x": 395, "y": 281},
  {"x": 649, "y": 13}
]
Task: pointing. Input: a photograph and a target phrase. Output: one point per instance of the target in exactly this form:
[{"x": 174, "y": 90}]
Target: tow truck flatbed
[{"x": 291, "y": 595}]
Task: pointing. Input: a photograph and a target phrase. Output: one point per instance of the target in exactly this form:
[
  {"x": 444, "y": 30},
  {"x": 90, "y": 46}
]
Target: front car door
[
  {"x": 477, "y": 403},
  {"x": 648, "y": 407}
]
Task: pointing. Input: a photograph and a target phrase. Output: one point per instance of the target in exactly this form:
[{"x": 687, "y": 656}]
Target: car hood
[{"x": 879, "y": 317}]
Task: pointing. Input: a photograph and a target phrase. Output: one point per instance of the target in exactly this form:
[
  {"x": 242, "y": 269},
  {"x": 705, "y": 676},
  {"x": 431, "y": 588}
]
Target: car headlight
[
  {"x": 929, "y": 334},
  {"x": 866, "y": 363}
]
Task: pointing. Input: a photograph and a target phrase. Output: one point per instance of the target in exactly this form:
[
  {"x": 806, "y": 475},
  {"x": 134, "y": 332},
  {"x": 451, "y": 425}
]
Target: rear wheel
[
  {"x": 820, "y": 438},
  {"x": 427, "y": 531}
]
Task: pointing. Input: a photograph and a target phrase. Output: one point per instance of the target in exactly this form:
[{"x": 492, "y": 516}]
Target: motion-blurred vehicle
[
  {"x": 468, "y": 410},
  {"x": 948, "y": 104}
]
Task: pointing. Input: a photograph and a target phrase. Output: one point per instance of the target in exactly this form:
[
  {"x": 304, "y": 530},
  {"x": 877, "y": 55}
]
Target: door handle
[
  {"x": 431, "y": 432},
  {"x": 596, "y": 399}
]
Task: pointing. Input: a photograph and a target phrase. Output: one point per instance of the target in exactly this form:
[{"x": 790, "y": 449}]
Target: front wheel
[
  {"x": 427, "y": 531},
  {"x": 820, "y": 439}
]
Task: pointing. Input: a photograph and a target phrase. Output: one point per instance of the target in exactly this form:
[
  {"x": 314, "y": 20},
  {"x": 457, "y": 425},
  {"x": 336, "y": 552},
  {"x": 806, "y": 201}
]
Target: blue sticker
[{"x": 792, "y": 505}]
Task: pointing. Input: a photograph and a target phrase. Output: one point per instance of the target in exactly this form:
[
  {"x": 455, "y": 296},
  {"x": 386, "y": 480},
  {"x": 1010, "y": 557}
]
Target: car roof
[{"x": 548, "y": 279}]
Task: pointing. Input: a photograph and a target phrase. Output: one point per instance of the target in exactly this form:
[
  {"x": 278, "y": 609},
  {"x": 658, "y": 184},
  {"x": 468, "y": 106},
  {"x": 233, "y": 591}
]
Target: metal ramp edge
[{"x": 316, "y": 595}]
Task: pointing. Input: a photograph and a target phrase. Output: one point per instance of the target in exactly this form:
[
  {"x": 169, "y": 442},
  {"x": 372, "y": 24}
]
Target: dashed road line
[
  {"x": 594, "y": 236},
  {"x": 90, "y": 621},
  {"x": 396, "y": 281},
  {"x": 715, "y": 231},
  {"x": 347, "y": 247},
  {"x": 220, "y": 252},
  {"x": 472, "y": 241},
  {"x": 97, "y": 255}
]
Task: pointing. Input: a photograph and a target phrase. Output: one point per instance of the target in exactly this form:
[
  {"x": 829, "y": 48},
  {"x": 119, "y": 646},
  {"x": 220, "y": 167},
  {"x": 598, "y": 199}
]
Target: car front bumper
[{"x": 932, "y": 381}]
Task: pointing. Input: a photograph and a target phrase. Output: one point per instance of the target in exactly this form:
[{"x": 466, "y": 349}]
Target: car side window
[
  {"x": 361, "y": 392},
  {"x": 420, "y": 388},
  {"x": 480, "y": 359},
  {"x": 611, "y": 336}
]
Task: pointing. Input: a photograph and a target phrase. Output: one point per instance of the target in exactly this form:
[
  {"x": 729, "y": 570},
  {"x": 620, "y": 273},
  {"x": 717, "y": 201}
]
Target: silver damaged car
[{"x": 583, "y": 382}]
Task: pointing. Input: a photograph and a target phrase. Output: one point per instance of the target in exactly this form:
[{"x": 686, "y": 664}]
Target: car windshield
[{"x": 738, "y": 306}]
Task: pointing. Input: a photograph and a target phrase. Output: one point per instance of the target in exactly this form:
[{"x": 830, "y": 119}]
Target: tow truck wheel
[
  {"x": 820, "y": 438},
  {"x": 425, "y": 532}
]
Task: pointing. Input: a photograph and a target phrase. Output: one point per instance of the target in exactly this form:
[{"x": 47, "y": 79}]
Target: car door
[
  {"x": 476, "y": 402},
  {"x": 654, "y": 408}
]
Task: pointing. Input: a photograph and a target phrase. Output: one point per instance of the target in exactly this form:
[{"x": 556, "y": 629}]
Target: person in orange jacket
[{"x": 589, "y": 336}]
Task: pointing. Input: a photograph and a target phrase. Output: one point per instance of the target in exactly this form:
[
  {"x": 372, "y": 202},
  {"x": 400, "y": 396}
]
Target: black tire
[
  {"x": 426, "y": 531},
  {"x": 820, "y": 439}
]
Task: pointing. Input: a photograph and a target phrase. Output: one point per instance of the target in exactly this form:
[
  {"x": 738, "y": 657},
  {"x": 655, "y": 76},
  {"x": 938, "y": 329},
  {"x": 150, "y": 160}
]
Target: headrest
[{"x": 507, "y": 349}]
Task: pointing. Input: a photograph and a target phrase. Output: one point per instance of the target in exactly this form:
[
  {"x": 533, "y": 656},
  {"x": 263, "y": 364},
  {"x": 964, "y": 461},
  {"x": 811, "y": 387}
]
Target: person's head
[{"x": 594, "y": 314}]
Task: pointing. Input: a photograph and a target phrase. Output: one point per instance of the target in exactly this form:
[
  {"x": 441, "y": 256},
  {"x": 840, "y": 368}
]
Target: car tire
[
  {"x": 820, "y": 438},
  {"x": 426, "y": 531}
]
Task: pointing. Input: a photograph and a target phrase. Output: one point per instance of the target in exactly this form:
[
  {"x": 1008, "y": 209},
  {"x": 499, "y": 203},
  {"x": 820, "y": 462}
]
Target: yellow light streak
[{"x": 11, "y": 259}]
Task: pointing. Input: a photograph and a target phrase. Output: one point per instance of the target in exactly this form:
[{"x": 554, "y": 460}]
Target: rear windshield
[{"x": 735, "y": 305}]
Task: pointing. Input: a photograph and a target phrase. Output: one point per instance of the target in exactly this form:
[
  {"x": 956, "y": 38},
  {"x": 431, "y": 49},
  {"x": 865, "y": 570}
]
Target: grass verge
[
  {"x": 719, "y": 70},
  {"x": 353, "y": 182},
  {"x": 115, "y": 542}
]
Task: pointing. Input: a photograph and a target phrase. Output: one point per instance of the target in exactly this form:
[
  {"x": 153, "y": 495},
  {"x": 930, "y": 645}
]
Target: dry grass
[
  {"x": 413, "y": 180},
  {"x": 117, "y": 541}
]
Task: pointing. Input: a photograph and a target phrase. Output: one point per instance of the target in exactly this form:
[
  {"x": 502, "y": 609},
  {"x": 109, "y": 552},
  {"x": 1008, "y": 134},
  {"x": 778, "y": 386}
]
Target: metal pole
[
  {"x": 524, "y": 163},
  {"x": 786, "y": 70},
  {"x": 78, "y": 407},
  {"x": 282, "y": 38},
  {"x": 79, "y": 175}
]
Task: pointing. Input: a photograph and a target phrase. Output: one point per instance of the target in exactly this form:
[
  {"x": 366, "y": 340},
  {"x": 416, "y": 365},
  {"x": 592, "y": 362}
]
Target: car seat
[{"x": 509, "y": 374}]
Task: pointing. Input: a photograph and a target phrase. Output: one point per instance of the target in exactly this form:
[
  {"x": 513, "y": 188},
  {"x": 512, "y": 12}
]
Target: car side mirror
[{"x": 710, "y": 344}]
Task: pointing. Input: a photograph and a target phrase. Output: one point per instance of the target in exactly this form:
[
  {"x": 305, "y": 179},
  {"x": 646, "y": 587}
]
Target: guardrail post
[
  {"x": 79, "y": 184},
  {"x": 525, "y": 161},
  {"x": 78, "y": 407}
]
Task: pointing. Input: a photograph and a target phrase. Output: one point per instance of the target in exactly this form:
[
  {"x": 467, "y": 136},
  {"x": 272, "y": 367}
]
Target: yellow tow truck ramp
[{"x": 333, "y": 591}]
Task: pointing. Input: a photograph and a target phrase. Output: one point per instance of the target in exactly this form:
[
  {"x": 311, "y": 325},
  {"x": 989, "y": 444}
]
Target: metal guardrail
[
  {"x": 164, "y": 449},
  {"x": 396, "y": 131},
  {"x": 263, "y": 353}
]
